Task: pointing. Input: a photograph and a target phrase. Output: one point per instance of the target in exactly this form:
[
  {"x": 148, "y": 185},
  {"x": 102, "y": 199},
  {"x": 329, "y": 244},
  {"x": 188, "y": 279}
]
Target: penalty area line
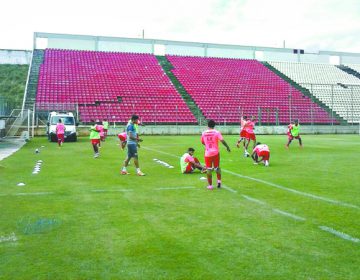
[
  {"x": 340, "y": 234},
  {"x": 228, "y": 189},
  {"x": 293, "y": 191}
]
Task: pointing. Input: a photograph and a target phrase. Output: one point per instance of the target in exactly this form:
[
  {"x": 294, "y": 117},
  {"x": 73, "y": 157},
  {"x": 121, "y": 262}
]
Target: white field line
[
  {"x": 274, "y": 185},
  {"x": 340, "y": 234},
  {"x": 228, "y": 189},
  {"x": 102, "y": 191},
  {"x": 298, "y": 218},
  {"x": 253, "y": 199},
  {"x": 174, "y": 188},
  {"x": 293, "y": 191},
  {"x": 11, "y": 238},
  {"x": 34, "y": 193}
]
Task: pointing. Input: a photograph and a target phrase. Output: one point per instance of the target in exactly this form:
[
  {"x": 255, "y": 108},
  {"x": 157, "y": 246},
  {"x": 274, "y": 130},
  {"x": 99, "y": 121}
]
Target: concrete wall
[
  {"x": 15, "y": 57},
  {"x": 232, "y": 130}
]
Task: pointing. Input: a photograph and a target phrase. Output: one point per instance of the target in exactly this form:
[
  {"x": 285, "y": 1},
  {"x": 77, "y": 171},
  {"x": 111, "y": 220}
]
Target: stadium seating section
[
  {"x": 115, "y": 85},
  {"x": 331, "y": 85},
  {"x": 226, "y": 88},
  {"x": 110, "y": 85}
]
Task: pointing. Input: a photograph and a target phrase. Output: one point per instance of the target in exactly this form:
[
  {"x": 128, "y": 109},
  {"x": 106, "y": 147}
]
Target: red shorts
[
  {"x": 95, "y": 141},
  {"x": 213, "y": 161},
  {"x": 190, "y": 167},
  {"x": 60, "y": 137},
  {"x": 243, "y": 134},
  {"x": 122, "y": 138},
  {"x": 250, "y": 136},
  {"x": 265, "y": 155}
]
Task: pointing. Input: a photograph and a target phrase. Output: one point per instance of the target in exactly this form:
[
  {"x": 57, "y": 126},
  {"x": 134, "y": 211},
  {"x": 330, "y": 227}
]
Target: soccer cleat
[
  {"x": 256, "y": 163},
  {"x": 124, "y": 172},
  {"x": 140, "y": 173},
  {"x": 96, "y": 155},
  {"x": 266, "y": 163},
  {"x": 246, "y": 154},
  {"x": 210, "y": 187},
  {"x": 219, "y": 185}
]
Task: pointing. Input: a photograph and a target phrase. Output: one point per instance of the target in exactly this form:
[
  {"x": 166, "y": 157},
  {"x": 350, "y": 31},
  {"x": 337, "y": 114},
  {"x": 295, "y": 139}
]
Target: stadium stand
[
  {"x": 109, "y": 85},
  {"x": 226, "y": 88},
  {"x": 334, "y": 87}
]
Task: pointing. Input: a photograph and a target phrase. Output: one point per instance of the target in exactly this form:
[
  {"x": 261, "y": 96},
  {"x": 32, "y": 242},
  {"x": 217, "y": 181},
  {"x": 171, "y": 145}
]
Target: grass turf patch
[{"x": 93, "y": 223}]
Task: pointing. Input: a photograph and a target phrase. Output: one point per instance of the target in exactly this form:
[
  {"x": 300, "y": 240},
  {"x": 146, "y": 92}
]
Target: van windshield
[{"x": 65, "y": 120}]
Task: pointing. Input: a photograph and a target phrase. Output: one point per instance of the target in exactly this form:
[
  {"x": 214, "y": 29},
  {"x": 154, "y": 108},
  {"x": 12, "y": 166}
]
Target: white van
[{"x": 70, "y": 126}]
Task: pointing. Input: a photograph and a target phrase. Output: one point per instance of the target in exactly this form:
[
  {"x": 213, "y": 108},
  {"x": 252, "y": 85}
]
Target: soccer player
[
  {"x": 242, "y": 132},
  {"x": 106, "y": 127},
  {"x": 210, "y": 138},
  {"x": 60, "y": 131},
  {"x": 123, "y": 139},
  {"x": 293, "y": 133},
  {"x": 250, "y": 134},
  {"x": 95, "y": 139},
  {"x": 132, "y": 144},
  {"x": 100, "y": 127},
  {"x": 136, "y": 125},
  {"x": 188, "y": 163},
  {"x": 261, "y": 153}
]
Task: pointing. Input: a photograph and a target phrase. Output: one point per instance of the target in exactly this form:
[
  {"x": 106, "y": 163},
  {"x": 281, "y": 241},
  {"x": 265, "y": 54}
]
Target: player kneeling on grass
[
  {"x": 210, "y": 139},
  {"x": 122, "y": 137},
  {"x": 188, "y": 163},
  {"x": 132, "y": 145},
  {"x": 261, "y": 153}
]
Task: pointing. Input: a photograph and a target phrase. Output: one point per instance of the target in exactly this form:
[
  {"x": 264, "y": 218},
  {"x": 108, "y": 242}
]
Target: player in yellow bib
[{"x": 294, "y": 133}]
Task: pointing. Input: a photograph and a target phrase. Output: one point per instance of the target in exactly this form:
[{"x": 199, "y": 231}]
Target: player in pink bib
[
  {"x": 261, "y": 153},
  {"x": 210, "y": 139},
  {"x": 60, "y": 131}
]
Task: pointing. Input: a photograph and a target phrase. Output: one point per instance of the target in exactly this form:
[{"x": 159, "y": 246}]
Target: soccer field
[{"x": 78, "y": 218}]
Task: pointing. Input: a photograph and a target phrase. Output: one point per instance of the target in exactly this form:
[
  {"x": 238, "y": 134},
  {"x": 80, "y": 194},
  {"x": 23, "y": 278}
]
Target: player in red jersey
[
  {"x": 60, "y": 131},
  {"x": 210, "y": 139},
  {"x": 261, "y": 153},
  {"x": 250, "y": 134}
]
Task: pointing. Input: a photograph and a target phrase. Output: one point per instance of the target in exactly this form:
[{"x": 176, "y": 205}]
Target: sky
[{"x": 312, "y": 25}]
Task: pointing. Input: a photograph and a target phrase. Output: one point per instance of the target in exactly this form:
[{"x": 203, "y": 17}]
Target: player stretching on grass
[
  {"x": 122, "y": 137},
  {"x": 132, "y": 144},
  {"x": 188, "y": 163},
  {"x": 261, "y": 153},
  {"x": 293, "y": 132},
  {"x": 210, "y": 138},
  {"x": 60, "y": 131}
]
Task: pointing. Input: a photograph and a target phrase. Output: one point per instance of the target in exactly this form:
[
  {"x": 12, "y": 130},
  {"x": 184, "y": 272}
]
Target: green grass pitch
[{"x": 78, "y": 218}]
